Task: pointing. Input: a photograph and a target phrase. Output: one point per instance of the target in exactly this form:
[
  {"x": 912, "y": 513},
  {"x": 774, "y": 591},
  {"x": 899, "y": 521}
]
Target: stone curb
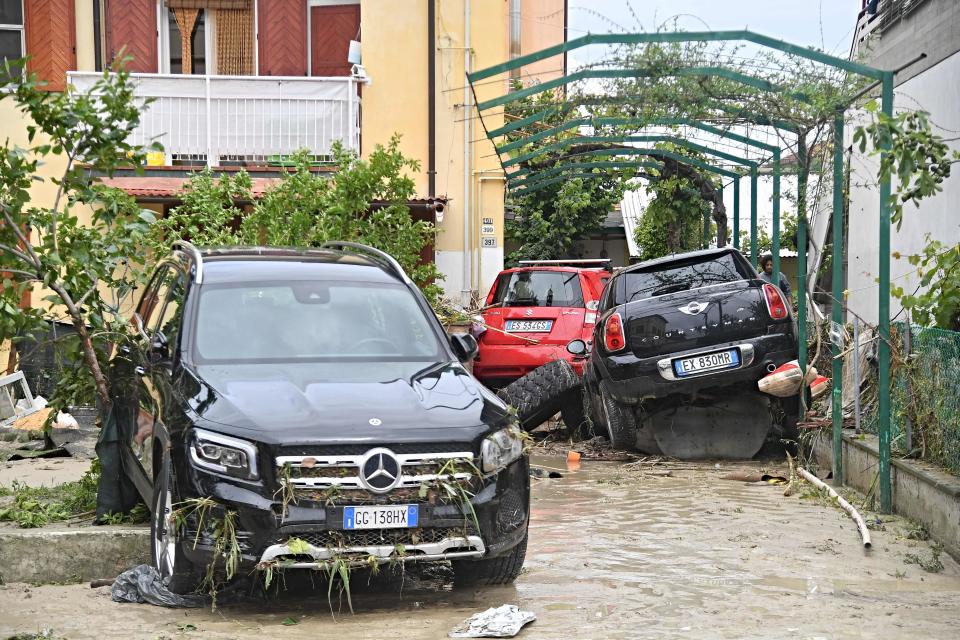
[{"x": 61, "y": 554}]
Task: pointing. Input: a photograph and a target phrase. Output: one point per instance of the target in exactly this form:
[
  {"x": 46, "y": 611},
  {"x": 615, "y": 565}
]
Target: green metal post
[
  {"x": 837, "y": 302},
  {"x": 802, "y": 264},
  {"x": 753, "y": 216},
  {"x": 775, "y": 247},
  {"x": 883, "y": 309},
  {"x": 736, "y": 213}
]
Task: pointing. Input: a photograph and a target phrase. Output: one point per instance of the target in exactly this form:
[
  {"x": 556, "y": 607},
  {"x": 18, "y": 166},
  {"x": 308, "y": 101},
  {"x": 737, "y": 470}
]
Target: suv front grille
[{"x": 338, "y": 477}]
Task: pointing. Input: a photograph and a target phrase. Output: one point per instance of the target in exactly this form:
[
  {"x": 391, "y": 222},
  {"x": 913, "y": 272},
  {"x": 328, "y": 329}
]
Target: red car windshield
[{"x": 539, "y": 289}]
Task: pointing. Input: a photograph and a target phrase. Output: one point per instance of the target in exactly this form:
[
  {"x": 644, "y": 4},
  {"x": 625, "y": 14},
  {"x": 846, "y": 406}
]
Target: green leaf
[{"x": 289, "y": 622}]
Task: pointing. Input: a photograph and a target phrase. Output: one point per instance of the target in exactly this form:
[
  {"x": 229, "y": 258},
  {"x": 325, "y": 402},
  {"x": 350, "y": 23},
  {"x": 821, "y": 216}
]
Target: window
[
  {"x": 11, "y": 30},
  {"x": 312, "y": 321},
  {"x": 539, "y": 289},
  {"x": 187, "y": 49},
  {"x": 673, "y": 277}
]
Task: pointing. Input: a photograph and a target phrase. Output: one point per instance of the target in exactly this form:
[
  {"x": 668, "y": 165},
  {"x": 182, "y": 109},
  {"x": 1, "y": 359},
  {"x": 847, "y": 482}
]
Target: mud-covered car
[
  {"x": 300, "y": 407},
  {"x": 678, "y": 349}
]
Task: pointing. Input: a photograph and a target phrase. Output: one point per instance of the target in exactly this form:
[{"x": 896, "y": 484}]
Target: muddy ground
[{"x": 615, "y": 552}]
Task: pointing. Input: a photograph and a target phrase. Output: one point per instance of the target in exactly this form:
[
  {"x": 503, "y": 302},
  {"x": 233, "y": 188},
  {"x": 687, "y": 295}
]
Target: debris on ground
[
  {"x": 496, "y": 622},
  {"x": 543, "y": 472},
  {"x": 756, "y": 475},
  {"x": 143, "y": 584},
  {"x": 555, "y": 443}
]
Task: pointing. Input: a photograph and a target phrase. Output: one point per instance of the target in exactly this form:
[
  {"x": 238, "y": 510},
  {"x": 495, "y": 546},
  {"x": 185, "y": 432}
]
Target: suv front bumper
[{"x": 501, "y": 505}]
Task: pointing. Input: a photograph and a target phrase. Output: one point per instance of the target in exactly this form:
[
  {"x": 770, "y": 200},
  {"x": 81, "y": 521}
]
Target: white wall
[{"x": 936, "y": 91}]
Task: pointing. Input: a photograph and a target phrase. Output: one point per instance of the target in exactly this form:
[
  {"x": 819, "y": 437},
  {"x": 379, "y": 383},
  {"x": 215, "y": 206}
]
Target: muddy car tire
[
  {"x": 542, "y": 393},
  {"x": 174, "y": 568},
  {"x": 620, "y": 422},
  {"x": 490, "y": 572}
]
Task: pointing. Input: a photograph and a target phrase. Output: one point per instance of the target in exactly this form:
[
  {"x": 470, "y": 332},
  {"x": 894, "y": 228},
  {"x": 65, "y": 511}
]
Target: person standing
[{"x": 766, "y": 274}]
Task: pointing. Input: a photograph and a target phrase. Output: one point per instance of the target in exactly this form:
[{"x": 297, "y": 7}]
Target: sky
[{"x": 825, "y": 24}]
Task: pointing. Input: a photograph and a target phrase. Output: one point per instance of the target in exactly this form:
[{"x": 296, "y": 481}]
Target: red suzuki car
[{"x": 532, "y": 312}]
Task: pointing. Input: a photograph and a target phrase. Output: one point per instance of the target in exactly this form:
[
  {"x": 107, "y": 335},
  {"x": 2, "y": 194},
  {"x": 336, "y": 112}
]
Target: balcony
[{"x": 242, "y": 120}]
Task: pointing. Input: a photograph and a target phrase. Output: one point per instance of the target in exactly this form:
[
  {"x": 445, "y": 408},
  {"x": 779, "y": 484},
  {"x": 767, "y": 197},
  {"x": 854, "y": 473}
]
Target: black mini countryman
[{"x": 313, "y": 400}]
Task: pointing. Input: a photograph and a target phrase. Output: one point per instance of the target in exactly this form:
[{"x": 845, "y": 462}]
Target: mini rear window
[
  {"x": 673, "y": 277},
  {"x": 539, "y": 289}
]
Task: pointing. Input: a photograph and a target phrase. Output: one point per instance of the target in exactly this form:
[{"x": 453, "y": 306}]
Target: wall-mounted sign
[
  {"x": 487, "y": 229},
  {"x": 488, "y": 221},
  {"x": 488, "y": 243}
]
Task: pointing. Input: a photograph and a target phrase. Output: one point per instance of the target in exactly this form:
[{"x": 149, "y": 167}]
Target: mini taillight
[
  {"x": 613, "y": 338},
  {"x": 776, "y": 305}
]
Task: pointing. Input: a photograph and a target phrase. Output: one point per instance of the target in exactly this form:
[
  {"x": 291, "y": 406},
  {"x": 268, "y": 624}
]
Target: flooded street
[{"x": 615, "y": 552}]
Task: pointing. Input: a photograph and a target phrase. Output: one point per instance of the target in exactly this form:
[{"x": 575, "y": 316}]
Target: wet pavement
[{"x": 615, "y": 552}]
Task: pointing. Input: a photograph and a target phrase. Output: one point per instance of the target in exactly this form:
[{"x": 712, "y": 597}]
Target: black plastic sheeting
[
  {"x": 116, "y": 493},
  {"x": 143, "y": 584}
]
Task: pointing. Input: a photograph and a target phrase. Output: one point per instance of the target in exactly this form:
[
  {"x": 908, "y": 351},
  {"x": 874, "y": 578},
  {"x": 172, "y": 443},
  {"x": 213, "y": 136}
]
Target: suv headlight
[
  {"x": 500, "y": 449},
  {"x": 224, "y": 455}
]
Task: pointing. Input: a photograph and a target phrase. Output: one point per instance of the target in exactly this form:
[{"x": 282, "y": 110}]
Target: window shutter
[
  {"x": 282, "y": 27},
  {"x": 332, "y": 29},
  {"x": 132, "y": 27},
  {"x": 51, "y": 36}
]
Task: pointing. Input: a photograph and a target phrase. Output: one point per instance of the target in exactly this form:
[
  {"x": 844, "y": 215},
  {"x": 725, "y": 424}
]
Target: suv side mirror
[{"x": 464, "y": 346}]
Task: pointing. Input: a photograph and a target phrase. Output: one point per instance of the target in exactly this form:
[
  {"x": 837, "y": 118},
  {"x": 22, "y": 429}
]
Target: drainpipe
[
  {"x": 465, "y": 290},
  {"x": 431, "y": 99},
  {"x": 514, "y": 36}
]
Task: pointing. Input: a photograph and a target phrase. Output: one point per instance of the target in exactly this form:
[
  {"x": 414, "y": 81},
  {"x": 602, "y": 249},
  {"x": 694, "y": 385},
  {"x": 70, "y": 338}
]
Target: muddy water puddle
[{"x": 615, "y": 552}]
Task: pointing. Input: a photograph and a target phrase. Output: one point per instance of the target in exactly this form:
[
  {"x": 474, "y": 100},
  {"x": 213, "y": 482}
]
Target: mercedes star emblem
[{"x": 380, "y": 470}]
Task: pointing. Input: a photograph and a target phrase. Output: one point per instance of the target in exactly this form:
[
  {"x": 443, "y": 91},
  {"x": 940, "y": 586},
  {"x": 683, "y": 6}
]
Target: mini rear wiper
[{"x": 671, "y": 288}]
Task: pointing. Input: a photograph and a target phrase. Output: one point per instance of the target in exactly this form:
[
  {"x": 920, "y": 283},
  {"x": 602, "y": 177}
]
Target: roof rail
[
  {"x": 194, "y": 253},
  {"x": 380, "y": 256}
]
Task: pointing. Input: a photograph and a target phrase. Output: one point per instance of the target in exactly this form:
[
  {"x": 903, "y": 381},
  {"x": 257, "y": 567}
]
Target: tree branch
[
  {"x": 56, "y": 201},
  {"x": 24, "y": 240}
]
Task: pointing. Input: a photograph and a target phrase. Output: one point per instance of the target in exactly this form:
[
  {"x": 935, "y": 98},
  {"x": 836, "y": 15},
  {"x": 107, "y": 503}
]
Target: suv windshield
[
  {"x": 680, "y": 276},
  {"x": 319, "y": 321},
  {"x": 539, "y": 289}
]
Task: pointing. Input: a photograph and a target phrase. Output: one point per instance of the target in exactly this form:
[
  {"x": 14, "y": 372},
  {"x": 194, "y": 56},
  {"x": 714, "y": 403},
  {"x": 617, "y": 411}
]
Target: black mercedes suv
[
  {"x": 308, "y": 407},
  {"x": 679, "y": 346}
]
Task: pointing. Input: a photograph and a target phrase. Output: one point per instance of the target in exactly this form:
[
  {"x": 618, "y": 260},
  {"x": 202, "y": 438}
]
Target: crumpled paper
[{"x": 496, "y": 622}]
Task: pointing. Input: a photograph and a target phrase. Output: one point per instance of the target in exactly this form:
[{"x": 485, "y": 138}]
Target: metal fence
[
  {"x": 243, "y": 118},
  {"x": 925, "y": 396}
]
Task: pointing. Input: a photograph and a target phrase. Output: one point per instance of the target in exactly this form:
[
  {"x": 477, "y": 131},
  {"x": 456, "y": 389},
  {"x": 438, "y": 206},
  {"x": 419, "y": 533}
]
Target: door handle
[{"x": 140, "y": 371}]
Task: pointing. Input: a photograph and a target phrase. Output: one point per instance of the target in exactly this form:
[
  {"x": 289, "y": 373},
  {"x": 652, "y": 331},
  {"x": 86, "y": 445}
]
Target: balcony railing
[{"x": 243, "y": 119}]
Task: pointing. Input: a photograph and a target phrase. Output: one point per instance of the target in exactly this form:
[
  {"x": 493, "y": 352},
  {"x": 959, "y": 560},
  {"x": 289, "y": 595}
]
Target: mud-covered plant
[
  {"x": 286, "y": 490},
  {"x": 454, "y": 489},
  {"x": 338, "y": 569},
  {"x": 223, "y": 531}
]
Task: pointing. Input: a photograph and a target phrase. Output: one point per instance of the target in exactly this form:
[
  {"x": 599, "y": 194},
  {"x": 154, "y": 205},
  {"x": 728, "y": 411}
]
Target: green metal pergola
[{"x": 521, "y": 151}]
